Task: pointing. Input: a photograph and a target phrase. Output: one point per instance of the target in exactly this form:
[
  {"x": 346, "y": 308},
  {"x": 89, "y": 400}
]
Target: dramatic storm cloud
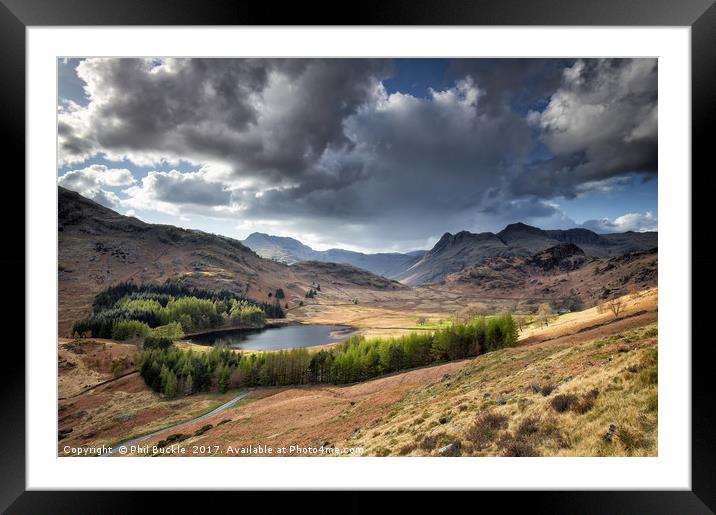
[
  {"x": 367, "y": 154},
  {"x": 600, "y": 123}
]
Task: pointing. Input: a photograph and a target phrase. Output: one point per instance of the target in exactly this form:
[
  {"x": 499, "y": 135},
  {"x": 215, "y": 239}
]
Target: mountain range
[
  {"x": 561, "y": 272},
  {"x": 454, "y": 253},
  {"x": 98, "y": 247},
  {"x": 290, "y": 251}
]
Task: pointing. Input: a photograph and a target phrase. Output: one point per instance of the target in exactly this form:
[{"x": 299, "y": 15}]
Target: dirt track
[{"x": 135, "y": 441}]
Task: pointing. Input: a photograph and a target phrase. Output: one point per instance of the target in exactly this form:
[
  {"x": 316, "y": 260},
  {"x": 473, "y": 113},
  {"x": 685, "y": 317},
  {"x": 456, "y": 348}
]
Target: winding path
[{"x": 134, "y": 441}]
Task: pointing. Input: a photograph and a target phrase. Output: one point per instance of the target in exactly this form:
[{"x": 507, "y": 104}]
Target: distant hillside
[
  {"x": 99, "y": 248},
  {"x": 344, "y": 275},
  {"x": 561, "y": 272},
  {"x": 279, "y": 248},
  {"x": 290, "y": 251},
  {"x": 454, "y": 253}
]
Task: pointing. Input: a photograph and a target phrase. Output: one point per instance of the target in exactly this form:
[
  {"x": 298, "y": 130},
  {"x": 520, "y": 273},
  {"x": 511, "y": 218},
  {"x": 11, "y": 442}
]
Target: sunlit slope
[{"x": 601, "y": 370}]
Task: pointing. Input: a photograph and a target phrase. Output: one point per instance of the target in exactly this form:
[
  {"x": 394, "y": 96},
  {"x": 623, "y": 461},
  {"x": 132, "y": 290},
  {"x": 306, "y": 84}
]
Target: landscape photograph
[{"x": 327, "y": 257}]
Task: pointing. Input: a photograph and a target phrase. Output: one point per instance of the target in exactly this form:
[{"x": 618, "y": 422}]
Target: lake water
[{"x": 272, "y": 338}]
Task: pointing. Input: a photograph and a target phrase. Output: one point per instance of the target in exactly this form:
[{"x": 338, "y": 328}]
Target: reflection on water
[{"x": 285, "y": 337}]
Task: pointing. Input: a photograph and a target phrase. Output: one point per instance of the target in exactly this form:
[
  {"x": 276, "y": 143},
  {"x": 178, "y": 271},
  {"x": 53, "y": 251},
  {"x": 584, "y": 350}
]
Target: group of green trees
[
  {"x": 313, "y": 290},
  {"x": 129, "y": 310},
  {"x": 176, "y": 372},
  {"x": 356, "y": 359}
]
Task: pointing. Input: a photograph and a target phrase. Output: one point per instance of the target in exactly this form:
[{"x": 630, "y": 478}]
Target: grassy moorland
[{"x": 584, "y": 385}]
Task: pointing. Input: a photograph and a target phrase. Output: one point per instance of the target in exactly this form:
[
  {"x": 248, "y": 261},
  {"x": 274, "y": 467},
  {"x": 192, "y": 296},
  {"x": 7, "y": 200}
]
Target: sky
[{"x": 371, "y": 155}]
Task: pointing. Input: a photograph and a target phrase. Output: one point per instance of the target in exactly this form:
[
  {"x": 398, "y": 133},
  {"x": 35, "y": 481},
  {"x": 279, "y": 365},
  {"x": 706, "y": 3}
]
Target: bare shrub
[
  {"x": 407, "y": 449},
  {"x": 529, "y": 426},
  {"x": 586, "y": 403},
  {"x": 563, "y": 402},
  {"x": 544, "y": 313},
  {"x": 547, "y": 389},
  {"x": 464, "y": 315},
  {"x": 550, "y": 430},
  {"x": 382, "y": 452},
  {"x": 429, "y": 442},
  {"x": 593, "y": 393},
  {"x": 485, "y": 428},
  {"x": 616, "y": 306},
  {"x": 516, "y": 446}
]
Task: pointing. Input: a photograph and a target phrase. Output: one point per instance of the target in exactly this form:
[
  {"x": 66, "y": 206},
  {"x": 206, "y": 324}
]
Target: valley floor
[{"x": 505, "y": 402}]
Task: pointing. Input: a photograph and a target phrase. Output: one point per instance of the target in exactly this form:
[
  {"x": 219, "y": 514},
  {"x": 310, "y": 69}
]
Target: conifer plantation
[
  {"x": 173, "y": 371},
  {"x": 169, "y": 310}
]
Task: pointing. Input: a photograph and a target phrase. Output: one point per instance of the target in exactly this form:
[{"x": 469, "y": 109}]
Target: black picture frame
[{"x": 700, "y": 15}]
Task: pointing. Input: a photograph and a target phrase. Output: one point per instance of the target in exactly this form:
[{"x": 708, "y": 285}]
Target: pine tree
[
  {"x": 224, "y": 378},
  {"x": 170, "y": 387},
  {"x": 163, "y": 377}
]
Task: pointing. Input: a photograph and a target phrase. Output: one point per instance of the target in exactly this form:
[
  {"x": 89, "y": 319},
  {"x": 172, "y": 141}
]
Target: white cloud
[
  {"x": 90, "y": 181},
  {"x": 600, "y": 123},
  {"x": 175, "y": 192},
  {"x": 600, "y": 104},
  {"x": 637, "y": 222}
]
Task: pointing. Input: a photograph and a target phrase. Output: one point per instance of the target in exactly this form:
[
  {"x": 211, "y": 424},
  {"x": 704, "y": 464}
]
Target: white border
[{"x": 670, "y": 470}]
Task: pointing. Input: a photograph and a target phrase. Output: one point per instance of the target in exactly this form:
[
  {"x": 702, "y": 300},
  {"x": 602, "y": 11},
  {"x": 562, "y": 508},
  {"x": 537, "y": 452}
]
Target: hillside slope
[
  {"x": 455, "y": 253},
  {"x": 608, "y": 364},
  {"x": 561, "y": 272},
  {"x": 583, "y": 386},
  {"x": 99, "y": 248}
]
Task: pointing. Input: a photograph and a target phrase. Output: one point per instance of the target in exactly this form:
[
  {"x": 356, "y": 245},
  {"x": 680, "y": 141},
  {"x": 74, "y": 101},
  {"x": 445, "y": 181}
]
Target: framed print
[{"x": 421, "y": 249}]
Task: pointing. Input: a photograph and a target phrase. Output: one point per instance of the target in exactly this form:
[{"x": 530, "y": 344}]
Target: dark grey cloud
[
  {"x": 265, "y": 117},
  {"x": 600, "y": 123},
  {"x": 185, "y": 188},
  {"x": 411, "y": 156},
  {"x": 512, "y": 84},
  {"x": 319, "y": 145}
]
